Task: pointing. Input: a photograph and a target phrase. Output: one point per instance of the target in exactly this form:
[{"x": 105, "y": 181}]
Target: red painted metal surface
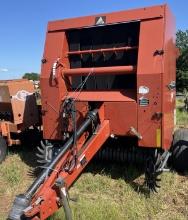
[
  {"x": 121, "y": 121},
  {"x": 148, "y": 123},
  {"x": 156, "y": 33},
  {"x": 169, "y": 68},
  {"x": 141, "y": 14},
  {"x": 104, "y": 96}
]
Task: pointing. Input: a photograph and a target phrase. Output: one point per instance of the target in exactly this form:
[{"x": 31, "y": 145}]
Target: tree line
[{"x": 182, "y": 61}]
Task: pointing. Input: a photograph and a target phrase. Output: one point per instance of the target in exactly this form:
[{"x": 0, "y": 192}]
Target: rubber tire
[
  {"x": 180, "y": 150},
  {"x": 3, "y": 149}
]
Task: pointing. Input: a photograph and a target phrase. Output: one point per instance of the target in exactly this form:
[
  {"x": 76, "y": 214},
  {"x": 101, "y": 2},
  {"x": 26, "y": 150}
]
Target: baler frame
[{"x": 122, "y": 82}]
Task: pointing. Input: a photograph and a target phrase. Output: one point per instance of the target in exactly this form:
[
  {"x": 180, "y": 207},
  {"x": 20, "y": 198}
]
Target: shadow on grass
[
  {"x": 28, "y": 156},
  {"x": 129, "y": 173}
]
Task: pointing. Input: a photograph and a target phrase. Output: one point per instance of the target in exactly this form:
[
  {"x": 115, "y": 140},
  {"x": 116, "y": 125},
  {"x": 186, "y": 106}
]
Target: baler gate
[{"x": 46, "y": 193}]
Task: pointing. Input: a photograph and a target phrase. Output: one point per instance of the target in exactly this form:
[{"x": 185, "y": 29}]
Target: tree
[
  {"x": 31, "y": 76},
  {"x": 182, "y": 62}
]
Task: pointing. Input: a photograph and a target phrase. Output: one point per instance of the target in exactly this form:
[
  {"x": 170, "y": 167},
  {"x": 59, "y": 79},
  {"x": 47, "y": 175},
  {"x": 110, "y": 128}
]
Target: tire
[
  {"x": 180, "y": 150},
  {"x": 3, "y": 149}
]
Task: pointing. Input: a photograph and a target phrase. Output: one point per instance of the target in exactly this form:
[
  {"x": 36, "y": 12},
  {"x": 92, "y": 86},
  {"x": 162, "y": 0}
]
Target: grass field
[
  {"x": 181, "y": 115},
  {"x": 103, "y": 192}
]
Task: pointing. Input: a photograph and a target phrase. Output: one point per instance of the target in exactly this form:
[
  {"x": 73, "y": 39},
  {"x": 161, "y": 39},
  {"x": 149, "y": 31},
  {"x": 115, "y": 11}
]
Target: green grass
[
  {"x": 112, "y": 192},
  {"x": 14, "y": 179},
  {"x": 181, "y": 114},
  {"x": 100, "y": 197},
  {"x": 182, "y": 118}
]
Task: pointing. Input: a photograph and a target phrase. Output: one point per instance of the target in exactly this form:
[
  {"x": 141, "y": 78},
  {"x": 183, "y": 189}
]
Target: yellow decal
[{"x": 158, "y": 137}]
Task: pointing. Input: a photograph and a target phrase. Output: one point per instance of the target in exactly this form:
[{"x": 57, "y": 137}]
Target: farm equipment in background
[
  {"x": 18, "y": 112},
  {"x": 107, "y": 86}
]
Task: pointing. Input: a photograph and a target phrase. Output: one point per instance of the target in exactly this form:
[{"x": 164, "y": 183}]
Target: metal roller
[{"x": 122, "y": 154}]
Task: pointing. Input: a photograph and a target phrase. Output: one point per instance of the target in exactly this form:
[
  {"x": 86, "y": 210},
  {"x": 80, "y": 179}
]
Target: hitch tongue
[{"x": 22, "y": 201}]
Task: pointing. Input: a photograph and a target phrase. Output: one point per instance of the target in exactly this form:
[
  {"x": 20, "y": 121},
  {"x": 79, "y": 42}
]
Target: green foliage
[
  {"x": 182, "y": 62},
  {"x": 181, "y": 117},
  {"x": 31, "y": 76},
  {"x": 181, "y": 113},
  {"x": 182, "y": 39}
]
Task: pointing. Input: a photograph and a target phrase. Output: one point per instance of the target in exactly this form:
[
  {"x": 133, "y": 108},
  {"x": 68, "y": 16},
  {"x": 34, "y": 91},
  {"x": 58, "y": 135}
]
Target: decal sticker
[
  {"x": 143, "y": 101},
  {"x": 21, "y": 95},
  {"x": 100, "y": 20},
  {"x": 143, "y": 90},
  {"x": 158, "y": 137}
]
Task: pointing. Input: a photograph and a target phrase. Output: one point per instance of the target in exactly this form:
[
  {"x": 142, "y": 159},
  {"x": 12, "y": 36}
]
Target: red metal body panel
[
  {"x": 51, "y": 91},
  {"x": 154, "y": 70},
  {"x": 163, "y": 38},
  {"x": 148, "y": 123},
  {"x": 168, "y": 96},
  {"x": 149, "y": 75},
  {"x": 104, "y": 96},
  {"x": 122, "y": 116},
  {"x": 111, "y": 18}
]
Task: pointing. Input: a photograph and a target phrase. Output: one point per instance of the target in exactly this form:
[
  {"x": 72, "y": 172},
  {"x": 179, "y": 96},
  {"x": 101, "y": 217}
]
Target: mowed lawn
[{"x": 103, "y": 191}]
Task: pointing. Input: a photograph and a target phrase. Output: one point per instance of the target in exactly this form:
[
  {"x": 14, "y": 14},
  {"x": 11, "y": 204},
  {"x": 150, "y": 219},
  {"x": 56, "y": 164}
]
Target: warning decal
[{"x": 100, "y": 20}]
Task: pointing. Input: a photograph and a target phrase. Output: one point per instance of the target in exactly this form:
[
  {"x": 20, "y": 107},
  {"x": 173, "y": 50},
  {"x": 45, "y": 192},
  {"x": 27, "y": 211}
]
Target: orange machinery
[
  {"x": 104, "y": 77},
  {"x": 18, "y": 111}
]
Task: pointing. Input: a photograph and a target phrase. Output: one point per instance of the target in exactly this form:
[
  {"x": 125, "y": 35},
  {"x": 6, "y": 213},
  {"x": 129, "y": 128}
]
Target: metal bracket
[
  {"x": 135, "y": 132},
  {"x": 171, "y": 85},
  {"x": 163, "y": 161}
]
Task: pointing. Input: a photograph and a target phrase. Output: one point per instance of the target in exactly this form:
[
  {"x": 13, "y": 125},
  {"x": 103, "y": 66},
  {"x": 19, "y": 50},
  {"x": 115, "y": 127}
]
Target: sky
[{"x": 23, "y": 26}]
